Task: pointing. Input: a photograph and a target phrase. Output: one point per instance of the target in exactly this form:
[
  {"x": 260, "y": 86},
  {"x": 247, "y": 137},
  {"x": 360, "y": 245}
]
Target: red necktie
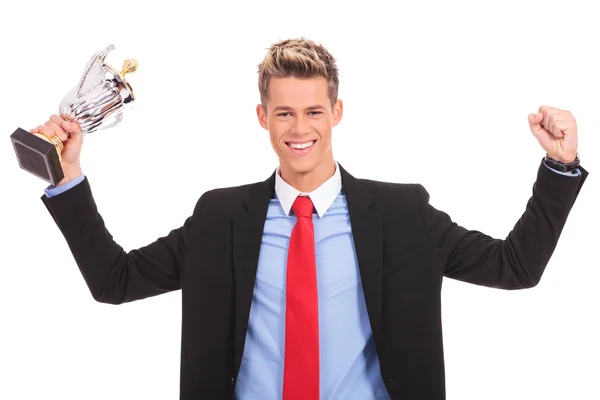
[{"x": 301, "y": 365}]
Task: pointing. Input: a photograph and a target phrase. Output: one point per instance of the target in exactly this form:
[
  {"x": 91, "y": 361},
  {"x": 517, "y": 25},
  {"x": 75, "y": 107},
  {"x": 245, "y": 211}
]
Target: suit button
[{"x": 391, "y": 380}]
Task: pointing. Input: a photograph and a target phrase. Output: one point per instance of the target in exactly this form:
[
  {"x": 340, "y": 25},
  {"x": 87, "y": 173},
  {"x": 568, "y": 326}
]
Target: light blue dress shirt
[{"x": 349, "y": 365}]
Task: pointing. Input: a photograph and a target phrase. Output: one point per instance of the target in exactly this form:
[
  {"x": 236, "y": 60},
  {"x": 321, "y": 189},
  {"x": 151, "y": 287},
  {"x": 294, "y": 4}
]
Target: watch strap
[{"x": 560, "y": 166}]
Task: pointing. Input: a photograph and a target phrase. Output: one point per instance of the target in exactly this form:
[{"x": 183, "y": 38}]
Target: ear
[
  {"x": 338, "y": 111},
  {"x": 261, "y": 113}
]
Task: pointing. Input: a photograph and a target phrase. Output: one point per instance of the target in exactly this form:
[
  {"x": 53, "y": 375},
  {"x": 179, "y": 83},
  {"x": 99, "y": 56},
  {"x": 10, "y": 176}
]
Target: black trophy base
[{"x": 37, "y": 156}]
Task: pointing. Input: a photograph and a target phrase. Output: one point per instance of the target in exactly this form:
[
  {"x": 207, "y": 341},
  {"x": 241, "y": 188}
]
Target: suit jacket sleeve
[
  {"x": 519, "y": 260},
  {"x": 113, "y": 275}
]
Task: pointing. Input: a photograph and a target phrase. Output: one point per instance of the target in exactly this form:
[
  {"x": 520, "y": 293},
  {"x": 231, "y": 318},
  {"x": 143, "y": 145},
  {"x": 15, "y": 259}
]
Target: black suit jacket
[{"x": 404, "y": 246}]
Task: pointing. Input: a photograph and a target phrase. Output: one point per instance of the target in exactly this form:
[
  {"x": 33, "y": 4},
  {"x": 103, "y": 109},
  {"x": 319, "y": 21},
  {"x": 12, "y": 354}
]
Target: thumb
[
  {"x": 73, "y": 129},
  {"x": 544, "y": 137},
  {"x": 535, "y": 120}
]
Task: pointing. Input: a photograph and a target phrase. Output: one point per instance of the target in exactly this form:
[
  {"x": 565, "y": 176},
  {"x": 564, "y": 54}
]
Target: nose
[{"x": 300, "y": 125}]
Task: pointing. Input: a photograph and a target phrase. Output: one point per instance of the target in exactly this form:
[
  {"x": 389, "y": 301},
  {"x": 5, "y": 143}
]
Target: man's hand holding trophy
[{"x": 51, "y": 151}]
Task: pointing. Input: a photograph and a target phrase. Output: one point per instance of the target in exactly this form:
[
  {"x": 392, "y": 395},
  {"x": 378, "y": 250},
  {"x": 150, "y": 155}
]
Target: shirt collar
[{"x": 322, "y": 197}]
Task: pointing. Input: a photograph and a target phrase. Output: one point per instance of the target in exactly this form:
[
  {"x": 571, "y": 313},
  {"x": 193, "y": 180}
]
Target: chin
[{"x": 300, "y": 166}]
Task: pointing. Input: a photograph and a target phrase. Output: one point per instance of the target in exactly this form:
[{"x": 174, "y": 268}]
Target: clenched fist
[
  {"x": 556, "y": 130},
  {"x": 70, "y": 134}
]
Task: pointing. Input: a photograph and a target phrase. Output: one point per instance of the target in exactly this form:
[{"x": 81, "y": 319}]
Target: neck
[{"x": 308, "y": 181}]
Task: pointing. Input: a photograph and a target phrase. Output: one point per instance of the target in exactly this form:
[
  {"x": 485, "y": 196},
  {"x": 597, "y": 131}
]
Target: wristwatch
[{"x": 560, "y": 166}]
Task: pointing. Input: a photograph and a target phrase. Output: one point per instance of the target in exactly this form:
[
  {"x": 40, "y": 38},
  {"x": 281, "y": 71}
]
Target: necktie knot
[{"x": 303, "y": 207}]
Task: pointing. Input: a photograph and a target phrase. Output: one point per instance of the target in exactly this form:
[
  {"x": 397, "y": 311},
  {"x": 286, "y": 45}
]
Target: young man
[{"x": 314, "y": 284}]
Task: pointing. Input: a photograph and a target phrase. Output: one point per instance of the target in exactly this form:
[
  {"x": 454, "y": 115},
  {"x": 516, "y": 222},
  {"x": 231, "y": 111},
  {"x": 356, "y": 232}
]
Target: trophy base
[{"x": 37, "y": 156}]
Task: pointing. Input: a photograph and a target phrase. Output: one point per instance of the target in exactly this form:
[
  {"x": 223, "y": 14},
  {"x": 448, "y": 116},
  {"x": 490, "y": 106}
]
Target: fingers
[
  {"x": 547, "y": 109},
  {"x": 541, "y": 132},
  {"x": 553, "y": 126},
  {"x": 54, "y": 125},
  {"x": 73, "y": 129},
  {"x": 545, "y": 138},
  {"x": 60, "y": 127},
  {"x": 547, "y": 112},
  {"x": 548, "y": 118},
  {"x": 563, "y": 127},
  {"x": 553, "y": 119},
  {"x": 44, "y": 130}
]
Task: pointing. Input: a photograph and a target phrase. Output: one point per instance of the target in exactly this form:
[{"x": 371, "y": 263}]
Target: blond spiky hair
[{"x": 299, "y": 58}]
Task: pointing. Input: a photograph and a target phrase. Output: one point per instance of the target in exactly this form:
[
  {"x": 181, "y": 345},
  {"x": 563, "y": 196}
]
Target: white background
[{"x": 435, "y": 92}]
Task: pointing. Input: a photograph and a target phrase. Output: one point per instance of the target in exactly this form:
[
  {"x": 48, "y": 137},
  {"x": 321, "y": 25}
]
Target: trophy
[{"x": 97, "y": 102}]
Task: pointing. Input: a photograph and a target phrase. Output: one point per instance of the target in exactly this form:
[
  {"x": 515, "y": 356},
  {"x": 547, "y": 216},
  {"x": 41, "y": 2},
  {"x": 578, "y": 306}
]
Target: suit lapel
[
  {"x": 367, "y": 230},
  {"x": 248, "y": 228}
]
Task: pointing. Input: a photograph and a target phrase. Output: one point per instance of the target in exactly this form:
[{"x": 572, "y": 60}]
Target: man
[{"x": 314, "y": 284}]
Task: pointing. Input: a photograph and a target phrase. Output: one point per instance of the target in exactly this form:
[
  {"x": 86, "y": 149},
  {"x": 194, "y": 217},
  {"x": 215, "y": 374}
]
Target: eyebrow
[{"x": 286, "y": 108}]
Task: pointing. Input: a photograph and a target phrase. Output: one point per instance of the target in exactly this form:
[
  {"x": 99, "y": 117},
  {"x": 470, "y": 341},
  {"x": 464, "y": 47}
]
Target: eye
[
  {"x": 315, "y": 112},
  {"x": 283, "y": 114}
]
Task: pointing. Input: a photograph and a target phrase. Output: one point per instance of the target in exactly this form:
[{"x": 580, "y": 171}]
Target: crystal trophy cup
[{"x": 97, "y": 102}]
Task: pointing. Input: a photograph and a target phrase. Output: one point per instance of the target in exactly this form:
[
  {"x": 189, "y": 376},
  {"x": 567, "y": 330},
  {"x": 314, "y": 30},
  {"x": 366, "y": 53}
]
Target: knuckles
[{"x": 554, "y": 114}]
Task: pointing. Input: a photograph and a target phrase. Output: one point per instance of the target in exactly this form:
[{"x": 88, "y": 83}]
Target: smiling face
[
  {"x": 300, "y": 118},
  {"x": 299, "y": 106}
]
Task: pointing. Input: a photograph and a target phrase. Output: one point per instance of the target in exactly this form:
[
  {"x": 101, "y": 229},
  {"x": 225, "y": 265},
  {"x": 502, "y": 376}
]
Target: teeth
[{"x": 301, "y": 146}]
